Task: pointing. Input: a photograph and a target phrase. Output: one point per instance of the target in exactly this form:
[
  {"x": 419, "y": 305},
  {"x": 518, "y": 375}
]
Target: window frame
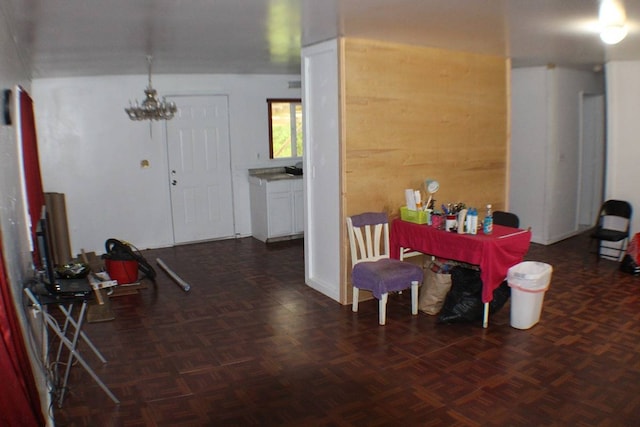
[{"x": 291, "y": 102}]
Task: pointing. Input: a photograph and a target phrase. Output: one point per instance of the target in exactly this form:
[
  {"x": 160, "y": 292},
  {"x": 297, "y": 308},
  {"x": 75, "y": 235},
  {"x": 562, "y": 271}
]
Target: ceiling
[{"x": 92, "y": 37}]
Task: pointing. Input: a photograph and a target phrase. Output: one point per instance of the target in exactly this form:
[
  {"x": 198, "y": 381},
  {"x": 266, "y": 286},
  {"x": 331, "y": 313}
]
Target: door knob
[{"x": 174, "y": 182}]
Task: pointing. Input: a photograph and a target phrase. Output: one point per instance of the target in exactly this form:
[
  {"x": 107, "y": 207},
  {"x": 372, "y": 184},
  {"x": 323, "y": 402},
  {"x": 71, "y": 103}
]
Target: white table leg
[{"x": 485, "y": 317}]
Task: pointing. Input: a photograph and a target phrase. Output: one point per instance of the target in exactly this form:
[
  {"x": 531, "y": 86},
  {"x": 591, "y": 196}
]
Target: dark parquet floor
[{"x": 252, "y": 345}]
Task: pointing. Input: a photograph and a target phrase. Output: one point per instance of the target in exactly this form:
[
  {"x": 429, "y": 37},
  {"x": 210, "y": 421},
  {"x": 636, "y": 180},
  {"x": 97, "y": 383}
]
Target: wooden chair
[{"x": 372, "y": 269}]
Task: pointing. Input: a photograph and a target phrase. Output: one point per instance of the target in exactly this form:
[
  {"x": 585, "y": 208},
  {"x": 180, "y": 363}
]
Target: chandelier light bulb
[
  {"x": 613, "y": 34},
  {"x": 613, "y": 18}
]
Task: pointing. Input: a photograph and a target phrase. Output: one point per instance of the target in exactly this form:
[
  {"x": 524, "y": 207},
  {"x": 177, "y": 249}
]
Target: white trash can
[{"x": 529, "y": 281}]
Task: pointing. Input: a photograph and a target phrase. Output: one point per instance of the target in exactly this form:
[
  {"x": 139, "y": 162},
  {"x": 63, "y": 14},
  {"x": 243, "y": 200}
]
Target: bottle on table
[
  {"x": 472, "y": 221},
  {"x": 487, "y": 225}
]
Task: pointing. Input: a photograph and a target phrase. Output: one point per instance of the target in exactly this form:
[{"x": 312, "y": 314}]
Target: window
[{"x": 285, "y": 128}]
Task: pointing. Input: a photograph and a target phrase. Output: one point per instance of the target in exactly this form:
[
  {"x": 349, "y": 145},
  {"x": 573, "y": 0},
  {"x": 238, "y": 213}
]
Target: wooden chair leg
[
  {"x": 356, "y": 295},
  {"x": 382, "y": 309},
  {"x": 414, "y": 297}
]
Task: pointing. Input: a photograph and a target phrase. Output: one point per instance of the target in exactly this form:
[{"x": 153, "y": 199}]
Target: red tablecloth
[{"x": 494, "y": 253}]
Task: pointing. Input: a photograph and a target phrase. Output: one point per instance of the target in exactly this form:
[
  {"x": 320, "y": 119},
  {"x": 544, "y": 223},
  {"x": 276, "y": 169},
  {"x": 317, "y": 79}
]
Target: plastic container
[
  {"x": 472, "y": 221},
  {"x": 417, "y": 217},
  {"x": 529, "y": 281}
]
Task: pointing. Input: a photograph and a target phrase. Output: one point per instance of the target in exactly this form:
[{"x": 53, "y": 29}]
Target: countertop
[{"x": 271, "y": 174}]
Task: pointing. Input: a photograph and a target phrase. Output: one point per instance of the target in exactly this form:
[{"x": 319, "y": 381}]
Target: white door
[
  {"x": 200, "y": 169},
  {"x": 592, "y": 159}
]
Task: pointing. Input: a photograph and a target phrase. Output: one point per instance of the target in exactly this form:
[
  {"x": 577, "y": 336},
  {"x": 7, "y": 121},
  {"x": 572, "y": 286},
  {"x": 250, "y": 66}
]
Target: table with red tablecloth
[{"x": 493, "y": 253}]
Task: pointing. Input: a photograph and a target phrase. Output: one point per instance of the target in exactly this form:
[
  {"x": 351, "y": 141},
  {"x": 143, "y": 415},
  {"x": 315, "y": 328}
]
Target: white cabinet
[{"x": 277, "y": 209}]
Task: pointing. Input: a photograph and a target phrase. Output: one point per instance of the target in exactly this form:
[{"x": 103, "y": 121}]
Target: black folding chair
[
  {"x": 613, "y": 224},
  {"x": 507, "y": 219}
]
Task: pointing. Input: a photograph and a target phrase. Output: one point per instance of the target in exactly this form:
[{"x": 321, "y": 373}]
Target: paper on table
[{"x": 410, "y": 198}]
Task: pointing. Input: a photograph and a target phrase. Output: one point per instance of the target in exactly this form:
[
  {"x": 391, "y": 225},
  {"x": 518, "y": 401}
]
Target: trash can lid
[
  {"x": 531, "y": 276},
  {"x": 529, "y": 270}
]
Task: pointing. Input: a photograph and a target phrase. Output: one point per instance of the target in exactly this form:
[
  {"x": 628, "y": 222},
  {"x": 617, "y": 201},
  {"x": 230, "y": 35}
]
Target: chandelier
[{"x": 151, "y": 108}]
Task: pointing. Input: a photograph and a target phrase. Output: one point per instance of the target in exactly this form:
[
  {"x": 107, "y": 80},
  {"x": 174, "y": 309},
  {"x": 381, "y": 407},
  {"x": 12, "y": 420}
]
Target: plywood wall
[{"x": 411, "y": 113}]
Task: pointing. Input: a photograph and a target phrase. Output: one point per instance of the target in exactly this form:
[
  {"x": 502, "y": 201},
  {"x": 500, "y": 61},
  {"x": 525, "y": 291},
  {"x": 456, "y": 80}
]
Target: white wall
[
  {"x": 528, "y": 151},
  {"x": 91, "y": 151},
  {"x": 322, "y": 166},
  {"x": 623, "y": 135},
  {"x": 545, "y": 148}
]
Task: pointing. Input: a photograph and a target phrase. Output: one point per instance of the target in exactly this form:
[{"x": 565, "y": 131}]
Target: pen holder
[
  {"x": 451, "y": 223},
  {"x": 436, "y": 221}
]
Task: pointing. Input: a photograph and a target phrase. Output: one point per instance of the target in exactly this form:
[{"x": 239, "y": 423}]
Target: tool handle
[{"x": 96, "y": 291}]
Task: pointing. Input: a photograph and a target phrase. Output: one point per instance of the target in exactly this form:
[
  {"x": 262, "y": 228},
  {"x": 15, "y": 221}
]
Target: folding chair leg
[{"x": 382, "y": 309}]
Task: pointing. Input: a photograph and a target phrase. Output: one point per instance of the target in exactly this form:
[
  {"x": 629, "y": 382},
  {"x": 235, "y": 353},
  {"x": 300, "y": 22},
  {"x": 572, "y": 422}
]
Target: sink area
[
  {"x": 293, "y": 170},
  {"x": 276, "y": 174}
]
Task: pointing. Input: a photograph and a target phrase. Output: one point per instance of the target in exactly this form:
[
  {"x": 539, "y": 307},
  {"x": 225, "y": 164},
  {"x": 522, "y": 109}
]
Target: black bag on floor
[
  {"x": 500, "y": 297},
  {"x": 631, "y": 259},
  {"x": 464, "y": 301},
  {"x": 628, "y": 265}
]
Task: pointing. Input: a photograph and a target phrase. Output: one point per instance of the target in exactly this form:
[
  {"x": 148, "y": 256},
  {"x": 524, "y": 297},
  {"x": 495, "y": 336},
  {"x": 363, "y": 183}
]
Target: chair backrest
[
  {"x": 368, "y": 236},
  {"x": 507, "y": 219},
  {"x": 619, "y": 208},
  {"x": 615, "y": 214}
]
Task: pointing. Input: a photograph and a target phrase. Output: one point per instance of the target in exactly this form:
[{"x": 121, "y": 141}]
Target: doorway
[
  {"x": 199, "y": 159},
  {"x": 592, "y": 152}
]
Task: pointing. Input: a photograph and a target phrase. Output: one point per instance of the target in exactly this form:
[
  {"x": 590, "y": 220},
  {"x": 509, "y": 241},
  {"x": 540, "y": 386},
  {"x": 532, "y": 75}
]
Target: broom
[{"x": 99, "y": 310}]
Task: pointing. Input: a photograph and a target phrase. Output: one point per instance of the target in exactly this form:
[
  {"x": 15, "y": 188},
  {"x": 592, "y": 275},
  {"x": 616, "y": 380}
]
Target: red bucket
[{"x": 124, "y": 271}]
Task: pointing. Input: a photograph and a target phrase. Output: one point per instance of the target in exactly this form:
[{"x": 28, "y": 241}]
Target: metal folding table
[{"x": 68, "y": 338}]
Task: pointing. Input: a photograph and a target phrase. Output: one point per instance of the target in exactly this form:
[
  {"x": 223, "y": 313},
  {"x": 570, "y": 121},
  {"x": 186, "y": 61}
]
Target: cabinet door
[
  {"x": 280, "y": 213},
  {"x": 258, "y": 195}
]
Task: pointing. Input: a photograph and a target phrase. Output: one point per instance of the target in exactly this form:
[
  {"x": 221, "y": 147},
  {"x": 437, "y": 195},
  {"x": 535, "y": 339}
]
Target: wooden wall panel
[{"x": 411, "y": 113}]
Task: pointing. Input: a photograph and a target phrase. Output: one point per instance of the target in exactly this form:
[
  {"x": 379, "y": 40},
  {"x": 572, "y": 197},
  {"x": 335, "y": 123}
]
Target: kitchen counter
[
  {"x": 277, "y": 204},
  {"x": 271, "y": 174}
]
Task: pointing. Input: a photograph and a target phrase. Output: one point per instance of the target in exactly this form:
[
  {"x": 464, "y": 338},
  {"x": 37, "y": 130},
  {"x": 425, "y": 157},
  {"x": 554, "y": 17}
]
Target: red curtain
[
  {"x": 19, "y": 398},
  {"x": 32, "y": 177}
]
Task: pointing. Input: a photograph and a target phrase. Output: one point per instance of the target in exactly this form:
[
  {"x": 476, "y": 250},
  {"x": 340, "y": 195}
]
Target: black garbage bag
[
  {"x": 500, "y": 297},
  {"x": 463, "y": 303},
  {"x": 628, "y": 265},
  {"x": 631, "y": 262}
]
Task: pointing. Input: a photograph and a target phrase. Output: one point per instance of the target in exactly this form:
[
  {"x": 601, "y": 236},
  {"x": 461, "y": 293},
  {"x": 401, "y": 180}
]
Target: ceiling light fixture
[
  {"x": 151, "y": 108},
  {"x": 613, "y": 21}
]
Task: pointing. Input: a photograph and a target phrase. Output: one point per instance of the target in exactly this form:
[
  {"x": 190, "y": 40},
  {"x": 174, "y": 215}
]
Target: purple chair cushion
[
  {"x": 369, "y": 218},
  {"x": 385, "y": 275}
]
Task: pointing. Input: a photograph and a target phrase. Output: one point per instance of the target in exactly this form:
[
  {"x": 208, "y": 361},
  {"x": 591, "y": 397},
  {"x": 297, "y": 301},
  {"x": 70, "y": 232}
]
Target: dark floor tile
[{"x": 251, "y": 344}]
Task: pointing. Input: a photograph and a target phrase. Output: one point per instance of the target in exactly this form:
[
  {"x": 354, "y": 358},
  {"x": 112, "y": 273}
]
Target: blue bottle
[{"x": 487, "y": 225}]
